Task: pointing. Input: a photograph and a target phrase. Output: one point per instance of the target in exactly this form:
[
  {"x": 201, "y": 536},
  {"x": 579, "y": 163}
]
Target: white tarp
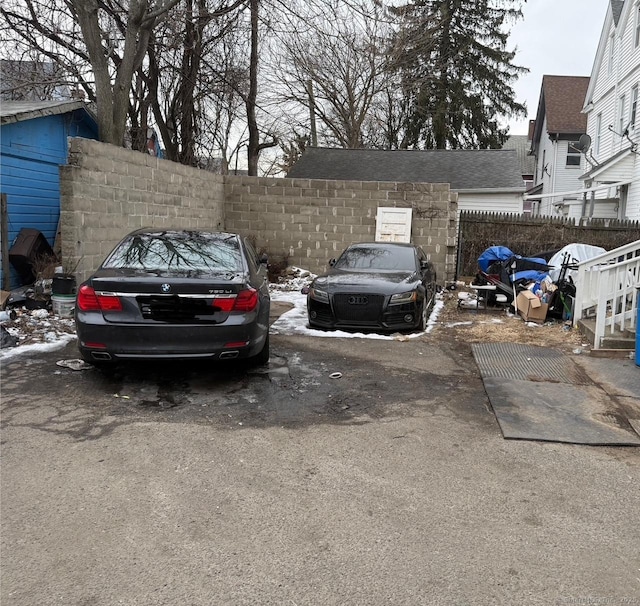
[{"x": 577, "y": 253}]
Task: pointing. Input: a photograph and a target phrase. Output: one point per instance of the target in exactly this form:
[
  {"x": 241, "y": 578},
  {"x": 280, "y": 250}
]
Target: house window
[
  {"x": 573, "y": 154},
  {"x": 621, "y": 116},
  {"x": 612, "y": 48},
  {"x": 636, "y": 35},
  {"x": 633, "y": 107},
  {"x": 598, "y": 137}
]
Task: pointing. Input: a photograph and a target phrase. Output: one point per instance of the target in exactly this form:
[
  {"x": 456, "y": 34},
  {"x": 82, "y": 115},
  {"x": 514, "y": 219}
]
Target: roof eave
[
  {"x": 55, "y": 110},
  {"x": 491, "y": 190}
]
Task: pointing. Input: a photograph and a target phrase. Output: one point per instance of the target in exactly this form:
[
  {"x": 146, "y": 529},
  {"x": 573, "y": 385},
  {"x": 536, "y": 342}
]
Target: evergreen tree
[{"x": 456, "y": 72}]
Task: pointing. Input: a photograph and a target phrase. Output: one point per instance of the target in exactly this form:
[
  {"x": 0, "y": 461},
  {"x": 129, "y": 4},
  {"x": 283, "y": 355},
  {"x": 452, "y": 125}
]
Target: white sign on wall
[{"x": 393, "y": 224}]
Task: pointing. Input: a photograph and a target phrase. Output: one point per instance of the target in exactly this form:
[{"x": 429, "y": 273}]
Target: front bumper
[{"x": 387, "y": 318}]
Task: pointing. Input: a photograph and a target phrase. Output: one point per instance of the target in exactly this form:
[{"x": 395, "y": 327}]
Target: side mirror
[
  {"x": 304, "y": 290},
  {"x": 264, "y": 260},
  {"x": 332, "y": 262}
]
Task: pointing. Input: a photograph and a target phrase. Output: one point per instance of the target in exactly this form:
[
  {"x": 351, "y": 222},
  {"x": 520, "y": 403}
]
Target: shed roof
[
  {"x": 488, "y": 169},
  {"x": 16, "y": 111}
]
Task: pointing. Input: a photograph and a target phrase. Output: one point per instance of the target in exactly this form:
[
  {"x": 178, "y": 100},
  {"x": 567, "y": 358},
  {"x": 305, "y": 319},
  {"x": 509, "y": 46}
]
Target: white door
[{"x": 393, "y": 224}]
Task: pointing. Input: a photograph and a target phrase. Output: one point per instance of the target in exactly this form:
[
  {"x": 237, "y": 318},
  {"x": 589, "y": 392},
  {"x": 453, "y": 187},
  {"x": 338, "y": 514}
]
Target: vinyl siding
[
  {"x": 607, "y": 91},
  {"x": 561, "y": 177},
  {"x": 545, "y": 159},
  {"x": 31, "y": 154},
  {"x": 633, "y": 200},
  {"x": 494, "y": 203}
]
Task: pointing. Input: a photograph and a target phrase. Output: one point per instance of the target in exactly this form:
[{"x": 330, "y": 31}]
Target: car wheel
[
  {"x": 424, "y": 316},
  {"x": 263, "y": 357}
]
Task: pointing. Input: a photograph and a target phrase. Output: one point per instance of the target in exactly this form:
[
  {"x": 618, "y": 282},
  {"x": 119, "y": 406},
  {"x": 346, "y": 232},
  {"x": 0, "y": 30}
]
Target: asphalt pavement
[{"x": 392, "y": 484}]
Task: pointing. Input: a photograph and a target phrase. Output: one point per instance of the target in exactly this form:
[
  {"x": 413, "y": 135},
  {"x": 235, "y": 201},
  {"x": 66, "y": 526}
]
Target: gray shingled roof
[
  {"x": 616, "y": 9},
  {"x": 522, "y": 145},
  {"x": 15, "y": 111},
  {"x": 490, "y": 169}
]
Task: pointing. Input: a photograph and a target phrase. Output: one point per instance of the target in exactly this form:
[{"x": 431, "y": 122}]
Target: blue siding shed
[{"x": 33, "y": 144}]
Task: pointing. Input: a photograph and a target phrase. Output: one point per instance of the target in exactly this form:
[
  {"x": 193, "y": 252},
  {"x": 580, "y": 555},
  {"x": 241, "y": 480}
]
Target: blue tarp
[{"x": 493, "y": 254}]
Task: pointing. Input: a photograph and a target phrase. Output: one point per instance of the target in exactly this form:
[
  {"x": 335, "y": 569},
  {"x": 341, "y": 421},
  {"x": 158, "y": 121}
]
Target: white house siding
[
  {"x": 544, "y": 171},
  {"x": 633, "y": 200},
  {"x": 558, "y": 177},
  {"x": 603, "y": 99},
  {"x": 566, "y": 178},
  {"x": 492, "y": 203}
]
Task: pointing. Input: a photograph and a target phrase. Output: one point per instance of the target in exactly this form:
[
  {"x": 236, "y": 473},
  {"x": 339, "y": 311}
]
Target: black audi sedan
[
  {"x": 374, "y": 285},
  {"x": 176, "y": 294}
]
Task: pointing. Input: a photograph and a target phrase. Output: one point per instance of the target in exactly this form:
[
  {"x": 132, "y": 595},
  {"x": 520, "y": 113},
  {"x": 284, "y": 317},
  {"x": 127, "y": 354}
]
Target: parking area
[{"x": 389, "y": 482}]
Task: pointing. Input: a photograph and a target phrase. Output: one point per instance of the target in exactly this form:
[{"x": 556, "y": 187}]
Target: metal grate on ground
[{"x": 527, "y": 363}]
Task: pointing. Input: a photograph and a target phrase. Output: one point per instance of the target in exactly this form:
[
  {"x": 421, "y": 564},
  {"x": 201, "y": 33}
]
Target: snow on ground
[
  {"x": 36, "y": 330},
  {"x": 41, "y": 330},
  {"x": 294, "y": 321}
]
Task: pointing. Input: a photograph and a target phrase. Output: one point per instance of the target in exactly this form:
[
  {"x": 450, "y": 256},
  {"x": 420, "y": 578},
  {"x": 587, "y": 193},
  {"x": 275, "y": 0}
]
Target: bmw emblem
[{"x": 165, "y": 288}]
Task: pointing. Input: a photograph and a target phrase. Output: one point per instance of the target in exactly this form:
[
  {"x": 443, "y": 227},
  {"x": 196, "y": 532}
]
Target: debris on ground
[
  {"x": 74, "y": 364},
  {"x": 499, "y": 324}
]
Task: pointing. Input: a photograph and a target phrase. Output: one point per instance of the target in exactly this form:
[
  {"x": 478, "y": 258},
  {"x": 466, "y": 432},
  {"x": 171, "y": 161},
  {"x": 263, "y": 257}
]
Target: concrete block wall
[
  {"x": 108, "y": 191},
  {"x": 311, "y": 221}
]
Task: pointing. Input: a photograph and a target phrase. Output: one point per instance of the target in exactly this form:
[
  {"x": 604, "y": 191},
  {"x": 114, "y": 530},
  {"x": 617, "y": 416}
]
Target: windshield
[
  {"x": 398, "y": 258},
  {"x": 171, "y": 250}
]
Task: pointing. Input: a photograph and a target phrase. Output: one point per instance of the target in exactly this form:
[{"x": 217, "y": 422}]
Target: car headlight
[
  {"x": 403, "y": 297},
  {"x": 319, "y": 295}
]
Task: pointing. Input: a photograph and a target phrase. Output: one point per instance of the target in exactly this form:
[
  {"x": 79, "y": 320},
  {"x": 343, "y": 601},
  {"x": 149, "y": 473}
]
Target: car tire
[
  {"x": 424, "y": 316},
  {"x": 263, "y": 357}
]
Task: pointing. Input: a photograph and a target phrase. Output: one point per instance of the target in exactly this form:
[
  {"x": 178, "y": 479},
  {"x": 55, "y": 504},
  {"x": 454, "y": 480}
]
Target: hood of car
[{"x": 383, "y": 282}]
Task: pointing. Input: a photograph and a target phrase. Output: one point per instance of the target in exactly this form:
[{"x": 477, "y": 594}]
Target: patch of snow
[
  {"x": 294, "y": 321},
  {"x": 19, "y": 349}
]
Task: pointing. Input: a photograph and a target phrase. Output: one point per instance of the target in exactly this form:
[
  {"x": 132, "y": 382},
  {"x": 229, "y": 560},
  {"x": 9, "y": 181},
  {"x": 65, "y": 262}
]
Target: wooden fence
[{"x": 530, "y": 236}]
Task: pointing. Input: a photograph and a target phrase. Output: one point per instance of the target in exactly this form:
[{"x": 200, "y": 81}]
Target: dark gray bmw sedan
[{"x": 176, "y": 294}]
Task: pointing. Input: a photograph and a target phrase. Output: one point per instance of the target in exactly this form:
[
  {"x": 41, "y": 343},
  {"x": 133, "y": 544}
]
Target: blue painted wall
[{"x": 31, "y": 152}]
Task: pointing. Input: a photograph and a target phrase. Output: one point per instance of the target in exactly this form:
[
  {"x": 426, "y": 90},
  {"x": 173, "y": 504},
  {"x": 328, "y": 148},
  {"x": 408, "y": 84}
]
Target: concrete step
[{"x": 612, "y": 340}]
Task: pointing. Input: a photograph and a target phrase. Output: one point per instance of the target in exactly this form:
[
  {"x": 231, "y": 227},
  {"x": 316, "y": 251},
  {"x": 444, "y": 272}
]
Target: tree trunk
[{"x": 253, "y": 148}]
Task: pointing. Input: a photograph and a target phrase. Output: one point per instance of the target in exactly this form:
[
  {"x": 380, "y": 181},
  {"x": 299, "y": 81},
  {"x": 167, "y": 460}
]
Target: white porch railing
[{"x": 607, "y": 289}]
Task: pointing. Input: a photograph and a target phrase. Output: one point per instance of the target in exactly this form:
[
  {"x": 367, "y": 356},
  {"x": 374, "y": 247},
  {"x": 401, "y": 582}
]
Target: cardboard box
[{"x": 530, "y": 308}]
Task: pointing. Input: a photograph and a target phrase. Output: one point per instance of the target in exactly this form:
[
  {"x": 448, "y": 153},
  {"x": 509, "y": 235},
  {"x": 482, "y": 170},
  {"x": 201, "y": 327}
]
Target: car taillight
[
  {"x": 247, "y": 300},
  {"x": 224, "y": 303},
  {"x": 89, "y": 300}
]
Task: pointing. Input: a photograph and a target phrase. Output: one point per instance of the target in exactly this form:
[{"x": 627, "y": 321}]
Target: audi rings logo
[
  {"x": 166, "y": 288},
  {"x": 355, "y": 300}
]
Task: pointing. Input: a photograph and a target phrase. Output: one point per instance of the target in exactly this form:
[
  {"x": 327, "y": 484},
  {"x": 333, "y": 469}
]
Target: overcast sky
[{"x": 556, "y": 37}]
